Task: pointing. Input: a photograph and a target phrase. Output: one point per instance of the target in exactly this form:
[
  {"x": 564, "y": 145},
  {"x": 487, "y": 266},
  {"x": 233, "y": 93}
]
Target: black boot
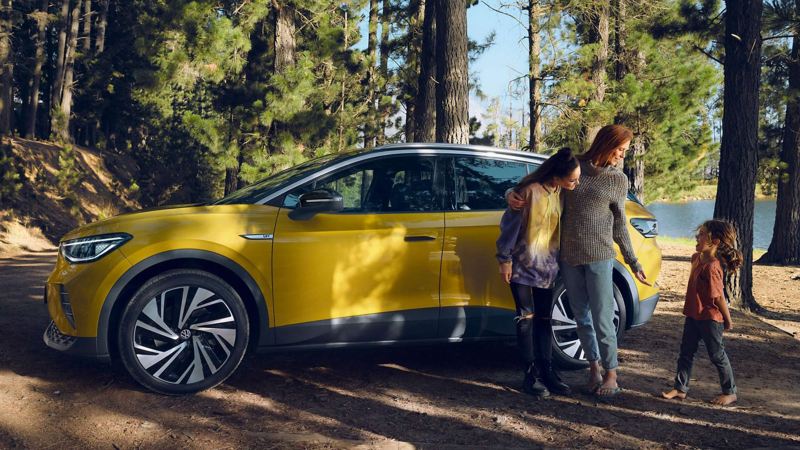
[
  {"x": 532, "y": 384},
  {"x": 551, "y": 379}
]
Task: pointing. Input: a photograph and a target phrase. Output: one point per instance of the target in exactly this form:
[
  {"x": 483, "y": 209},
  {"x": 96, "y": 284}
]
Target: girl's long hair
[
  {"x": 559, "y": 165},
  {"x": 608, "y": 139},
  {"x": 727, "y": 251}
]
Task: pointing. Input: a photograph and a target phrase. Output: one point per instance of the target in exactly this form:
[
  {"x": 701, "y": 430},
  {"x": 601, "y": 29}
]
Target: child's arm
[{"x": 722, "y": 304}]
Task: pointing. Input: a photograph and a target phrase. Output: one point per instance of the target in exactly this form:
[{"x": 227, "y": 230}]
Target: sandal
[{"x": 607, "y": 392}]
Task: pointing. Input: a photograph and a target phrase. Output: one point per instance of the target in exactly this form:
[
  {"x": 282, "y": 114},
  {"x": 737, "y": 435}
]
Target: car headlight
[
  {"x": 92, "y": 248},
  {"x": 648, "y": 227}
]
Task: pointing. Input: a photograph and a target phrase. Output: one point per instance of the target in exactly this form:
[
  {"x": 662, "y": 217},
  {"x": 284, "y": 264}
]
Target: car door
[
  {"x": 475, "y": 301},
  {"x": 371, "y": 271}
]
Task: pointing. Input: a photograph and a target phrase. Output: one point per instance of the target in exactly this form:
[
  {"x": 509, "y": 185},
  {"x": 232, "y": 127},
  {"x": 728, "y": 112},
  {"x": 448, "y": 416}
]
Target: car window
[
  {"x": 389, "y": 184},
  {"x": 258, "y": 190},
  {"x": 480, "y": 183}
]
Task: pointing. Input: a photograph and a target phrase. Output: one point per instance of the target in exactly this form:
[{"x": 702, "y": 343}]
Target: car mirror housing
[{"x": 315, "y": 202}]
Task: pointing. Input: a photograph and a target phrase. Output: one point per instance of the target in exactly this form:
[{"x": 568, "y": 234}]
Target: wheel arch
[
  {"x": 231, "y": 272},
  {"x": 630, "y": 295}
]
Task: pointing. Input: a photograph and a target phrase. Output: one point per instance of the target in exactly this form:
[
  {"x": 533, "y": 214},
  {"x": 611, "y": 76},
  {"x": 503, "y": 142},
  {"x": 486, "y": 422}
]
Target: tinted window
[
  {"x": 260, "y": 189},
  {"x": 480, "y": 184},
  {"x": 391, "y": 184}
]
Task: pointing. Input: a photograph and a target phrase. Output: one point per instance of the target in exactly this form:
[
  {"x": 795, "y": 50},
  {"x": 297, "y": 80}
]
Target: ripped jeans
[{"x": 534, "y": 334}]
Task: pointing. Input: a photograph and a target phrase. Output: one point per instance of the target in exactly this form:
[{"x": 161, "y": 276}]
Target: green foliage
[
  {"x": 10, "y": 174},
  {"x": 69, "y": 177}
]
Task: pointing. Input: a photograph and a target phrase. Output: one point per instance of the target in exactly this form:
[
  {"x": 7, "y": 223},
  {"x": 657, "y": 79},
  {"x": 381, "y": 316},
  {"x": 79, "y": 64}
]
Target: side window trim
[{"x": 438, "y": 178}]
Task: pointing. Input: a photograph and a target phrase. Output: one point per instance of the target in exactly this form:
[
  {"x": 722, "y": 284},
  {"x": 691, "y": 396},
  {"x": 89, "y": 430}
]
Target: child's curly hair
[{"x": 727, "y": 251}]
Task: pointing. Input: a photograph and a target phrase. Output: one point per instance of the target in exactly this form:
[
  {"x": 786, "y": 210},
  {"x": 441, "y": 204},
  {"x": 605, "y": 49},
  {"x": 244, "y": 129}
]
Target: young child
[{"x": 706, "y": 309}]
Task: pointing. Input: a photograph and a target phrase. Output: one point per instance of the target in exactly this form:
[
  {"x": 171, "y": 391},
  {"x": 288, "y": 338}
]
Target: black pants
[
  {"x": 711, "y": 334},
  {"x": 534, "y": 336}
]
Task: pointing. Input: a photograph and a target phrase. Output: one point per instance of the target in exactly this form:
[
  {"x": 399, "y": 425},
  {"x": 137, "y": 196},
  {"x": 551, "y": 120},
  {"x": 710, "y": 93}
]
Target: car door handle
[{"x": 419, "y": 238}]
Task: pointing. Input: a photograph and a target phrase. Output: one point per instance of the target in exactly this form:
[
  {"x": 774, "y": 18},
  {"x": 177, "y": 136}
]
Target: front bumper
[
  {"x": 645, "y": 310},
  {"x": 78, "y": 346}
]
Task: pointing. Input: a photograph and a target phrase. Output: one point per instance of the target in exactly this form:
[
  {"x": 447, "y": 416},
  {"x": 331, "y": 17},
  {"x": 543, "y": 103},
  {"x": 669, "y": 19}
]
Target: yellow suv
[{"x": 392, "y": 245}]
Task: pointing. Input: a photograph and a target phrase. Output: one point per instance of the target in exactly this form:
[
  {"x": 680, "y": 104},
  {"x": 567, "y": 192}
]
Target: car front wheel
[
  {"x": 183, "y": 331},
  {"x": 568, "y": 353}
]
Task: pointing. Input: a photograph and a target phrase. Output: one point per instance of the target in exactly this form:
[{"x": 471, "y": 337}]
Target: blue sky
[{"x": 506, "y": 60}]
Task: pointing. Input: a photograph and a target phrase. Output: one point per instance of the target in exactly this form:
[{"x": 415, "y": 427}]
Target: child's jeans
[{"x": 711, "y": 334}]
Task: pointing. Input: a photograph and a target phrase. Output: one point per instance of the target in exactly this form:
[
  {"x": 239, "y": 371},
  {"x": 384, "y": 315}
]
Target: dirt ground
[{"x": 456, "y": 396}]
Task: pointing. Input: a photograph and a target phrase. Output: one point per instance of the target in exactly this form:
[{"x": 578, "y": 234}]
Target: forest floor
[{"x": 456, "y": 396}]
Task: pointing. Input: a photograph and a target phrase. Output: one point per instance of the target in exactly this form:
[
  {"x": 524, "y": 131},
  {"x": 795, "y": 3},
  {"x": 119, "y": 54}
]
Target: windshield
[{"x": 260, "y": 189}]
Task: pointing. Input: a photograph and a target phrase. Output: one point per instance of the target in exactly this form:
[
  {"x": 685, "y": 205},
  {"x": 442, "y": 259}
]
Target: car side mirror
[{"x": 315, "y": 202}]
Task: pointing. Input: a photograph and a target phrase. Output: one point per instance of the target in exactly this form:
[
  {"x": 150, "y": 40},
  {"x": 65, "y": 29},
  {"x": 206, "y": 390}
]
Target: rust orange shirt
[{"x": 705, "y": 284}]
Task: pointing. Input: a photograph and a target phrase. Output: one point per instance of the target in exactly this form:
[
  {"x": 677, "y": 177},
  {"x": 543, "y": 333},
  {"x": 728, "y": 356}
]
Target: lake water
[{"x": 681, "y": 219}]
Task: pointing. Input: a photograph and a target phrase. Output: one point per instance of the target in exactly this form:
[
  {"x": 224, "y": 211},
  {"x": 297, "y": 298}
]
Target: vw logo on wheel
[{"x": 186, "y": 334}]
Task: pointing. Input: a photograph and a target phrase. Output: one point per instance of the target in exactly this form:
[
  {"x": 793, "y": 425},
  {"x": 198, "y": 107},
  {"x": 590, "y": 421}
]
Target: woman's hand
[
  {"x": 642, "y": 277},
  {"x": 515, "y": 201},
  {"x": 505, "y": 272}
]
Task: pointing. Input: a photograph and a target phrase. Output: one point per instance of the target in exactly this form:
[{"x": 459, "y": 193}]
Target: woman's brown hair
[
  {"x": 725, "y": 232},
  {"x": 608, "y": 139}
]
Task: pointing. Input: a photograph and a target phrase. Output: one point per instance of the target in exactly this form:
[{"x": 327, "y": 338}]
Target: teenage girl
[{"x": 527, "y": 251}]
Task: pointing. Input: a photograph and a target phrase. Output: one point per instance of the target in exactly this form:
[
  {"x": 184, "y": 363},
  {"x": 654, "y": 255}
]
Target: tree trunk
[
  {"x": 69, "y": 72},
  {"x": 425, "y": 108},
  {"x": 739, "y": 147},
  {"x": 785, "y": 245},
  {"x": 416, "y": 17},
  {"x": 102, "y": 21},
  {"x": 36, "y": 76},
  {"x": 285, "y": 57},
  {"x": 58, "y": 75},
  {"x": 534, "y": 75},
  {"x": 383, "y": 109},
  {"x": 452, "y": 91},
  {"x": 86, "y": 31},
  {"x": 372, "y": 49},
  {"x": 599, "y": 36},
  {"x": 6, "y": 68}
]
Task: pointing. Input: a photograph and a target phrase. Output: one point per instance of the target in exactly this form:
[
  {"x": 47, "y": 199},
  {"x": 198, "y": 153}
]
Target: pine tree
[{"x": 452, "y": 90}]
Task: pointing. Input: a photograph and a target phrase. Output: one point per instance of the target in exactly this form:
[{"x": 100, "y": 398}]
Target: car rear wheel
[
  {"x": 568, "y": 353},
  {"x": 183, "y": 331}
]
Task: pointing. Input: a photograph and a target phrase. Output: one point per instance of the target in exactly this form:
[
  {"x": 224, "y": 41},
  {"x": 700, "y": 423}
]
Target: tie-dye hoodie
[{"x": 529, "y": 239}]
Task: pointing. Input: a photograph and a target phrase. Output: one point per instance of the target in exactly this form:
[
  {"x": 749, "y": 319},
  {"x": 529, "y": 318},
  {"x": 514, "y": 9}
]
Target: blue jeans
[
  {"x": 710, "y": 333},
  {"x": 591, "y": 297}
]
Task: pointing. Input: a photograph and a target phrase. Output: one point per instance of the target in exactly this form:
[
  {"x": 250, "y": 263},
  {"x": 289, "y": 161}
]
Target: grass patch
[{"x": 687, "y": 242}]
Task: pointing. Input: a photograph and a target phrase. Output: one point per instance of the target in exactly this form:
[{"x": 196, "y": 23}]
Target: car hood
[{"x": 191, "y": 213}]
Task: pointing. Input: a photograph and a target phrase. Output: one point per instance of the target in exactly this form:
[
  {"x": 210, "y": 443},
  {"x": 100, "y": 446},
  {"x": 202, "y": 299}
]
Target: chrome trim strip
[
  {"x": 414, "y": 149},
  {"x": 257, "y": 237}
]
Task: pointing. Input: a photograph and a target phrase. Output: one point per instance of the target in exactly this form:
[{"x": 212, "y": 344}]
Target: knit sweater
[{"x": 594, "y": 218}]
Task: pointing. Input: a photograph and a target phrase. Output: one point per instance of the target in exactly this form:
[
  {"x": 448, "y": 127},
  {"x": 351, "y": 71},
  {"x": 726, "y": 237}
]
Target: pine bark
[
  {"x": 416, "y": 15},
  {"x": 58, "y": 75},
  {"x": 534, "y": 74},
  {"x": 634, "y": 162},
  {"x": 6, "y": 68},
  {"x": 102, "y": 22},
  {"x": 372, "y": 52},
  {"x": 739, "y": 147},
  {"x": 86, "y": 30},
  {"x": 69, "y": 73},
  {"x": 425, "y": 108},
  {"x": 36, "y": 76},
  {"x": 785, "y": 245},
  {"x": 452, "y": 91},
  {"x": 384, "y": 72},
  {"x": 599, "y": 36}
]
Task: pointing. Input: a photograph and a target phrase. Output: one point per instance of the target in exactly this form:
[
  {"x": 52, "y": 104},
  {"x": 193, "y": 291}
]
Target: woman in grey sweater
[{"x": 592, "y": 220}]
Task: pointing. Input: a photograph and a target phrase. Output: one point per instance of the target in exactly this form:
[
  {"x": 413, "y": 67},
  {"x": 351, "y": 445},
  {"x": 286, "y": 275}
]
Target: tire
[
  {"x": 568, "y": 353},
  {"x": 183, "y": 332}
]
